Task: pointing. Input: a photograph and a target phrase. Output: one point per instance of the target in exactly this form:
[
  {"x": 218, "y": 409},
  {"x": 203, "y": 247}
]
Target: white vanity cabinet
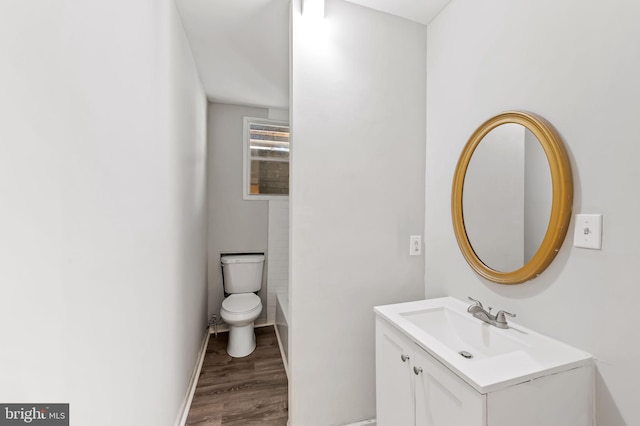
[
  {"x": 395, "y": 389},
  {"x": 442, "y": 398},
  {"x": 413, "y": 387}
]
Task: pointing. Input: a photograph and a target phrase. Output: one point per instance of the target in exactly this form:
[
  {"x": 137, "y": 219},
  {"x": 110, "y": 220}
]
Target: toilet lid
[{"x": 241, "y": 302}]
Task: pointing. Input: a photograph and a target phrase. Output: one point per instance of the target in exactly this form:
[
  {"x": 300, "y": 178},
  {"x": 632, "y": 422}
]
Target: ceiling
[
  {"x": 241, "y": 47},
  {"x": 422, "y": 11}
]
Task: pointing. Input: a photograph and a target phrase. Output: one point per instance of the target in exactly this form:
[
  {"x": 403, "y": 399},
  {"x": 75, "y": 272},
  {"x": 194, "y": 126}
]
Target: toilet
[{"x": 241, "y": 279}]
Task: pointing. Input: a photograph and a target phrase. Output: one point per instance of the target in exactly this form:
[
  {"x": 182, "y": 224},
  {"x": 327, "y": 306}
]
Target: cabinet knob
[
  {"x": 417, "y": 370},
  {"x": 404, "y": 357}
]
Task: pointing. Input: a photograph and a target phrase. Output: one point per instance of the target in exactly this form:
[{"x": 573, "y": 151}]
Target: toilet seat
[
  {"x": 242, "y": 303},
  {"x": 239, "y": 311}
]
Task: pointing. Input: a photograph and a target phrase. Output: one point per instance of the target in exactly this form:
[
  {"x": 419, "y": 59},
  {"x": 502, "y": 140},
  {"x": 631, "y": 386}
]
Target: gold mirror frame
[{"x": 562, "y": 198}]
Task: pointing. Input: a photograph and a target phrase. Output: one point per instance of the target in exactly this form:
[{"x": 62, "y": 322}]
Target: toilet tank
[{"x": 242, "y": 273}]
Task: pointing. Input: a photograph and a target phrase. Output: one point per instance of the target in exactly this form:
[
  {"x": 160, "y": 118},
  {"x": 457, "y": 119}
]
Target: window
[{"x": 266, "y": 159}]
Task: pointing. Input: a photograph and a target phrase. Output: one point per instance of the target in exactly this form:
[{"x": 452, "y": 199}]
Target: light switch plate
[
  {"x": 415, "y": 245},
  {"x": 588, "y": 231}
]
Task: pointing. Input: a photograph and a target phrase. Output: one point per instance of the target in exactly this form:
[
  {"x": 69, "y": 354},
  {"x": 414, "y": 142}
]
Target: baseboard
[
  {"x": 186, "y": 405},
  {"x": 284, "y": 357},
  {"x": 368, "y": 422},
  {"x": 223, "y": 328}
]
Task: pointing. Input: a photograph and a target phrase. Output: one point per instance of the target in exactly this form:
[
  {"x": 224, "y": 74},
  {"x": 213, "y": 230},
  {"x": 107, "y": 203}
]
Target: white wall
[
  {"x": 278, "y": 260},
  {"x": 102, "y": 182},
  {"x": 235, "y": 225},
  {"x": 575, "y": 63},
  {"x": 358, "y": 123}
]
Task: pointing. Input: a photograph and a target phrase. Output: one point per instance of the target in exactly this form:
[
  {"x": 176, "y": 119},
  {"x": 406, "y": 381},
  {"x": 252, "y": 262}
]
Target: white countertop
[{"x": 501, "y": 357}]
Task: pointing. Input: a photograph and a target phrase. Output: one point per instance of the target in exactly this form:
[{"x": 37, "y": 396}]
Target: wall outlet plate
[
  {"x": 415, "y": 245},
  {"x": 588, "y": 231}
]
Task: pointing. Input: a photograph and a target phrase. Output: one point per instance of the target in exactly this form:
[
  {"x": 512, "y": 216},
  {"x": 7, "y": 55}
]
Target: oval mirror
[{"x": 512, "y": 196}]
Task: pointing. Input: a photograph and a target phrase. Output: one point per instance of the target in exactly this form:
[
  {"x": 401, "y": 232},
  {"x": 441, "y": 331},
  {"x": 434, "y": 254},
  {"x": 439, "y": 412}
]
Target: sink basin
[
  {"x": 461, "y": 332},
  {"x": 486, "y": 357}
]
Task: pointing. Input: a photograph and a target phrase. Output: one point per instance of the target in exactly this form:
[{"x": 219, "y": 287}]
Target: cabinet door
[
  {"x": 442, "y": 398},
  {"x": 394, "y": 381}
]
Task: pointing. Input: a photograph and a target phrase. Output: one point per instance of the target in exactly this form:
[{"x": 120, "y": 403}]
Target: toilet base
[{"x": 242, "y": 341}]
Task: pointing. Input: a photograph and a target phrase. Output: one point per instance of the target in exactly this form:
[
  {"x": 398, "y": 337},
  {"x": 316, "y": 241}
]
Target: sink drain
[{"x": 465, "y": 354}]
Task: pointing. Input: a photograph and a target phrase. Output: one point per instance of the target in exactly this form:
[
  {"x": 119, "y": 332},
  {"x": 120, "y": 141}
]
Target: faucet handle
[
  {"x": 500, "y": 316},
  {"x": 477, "y": 302}
]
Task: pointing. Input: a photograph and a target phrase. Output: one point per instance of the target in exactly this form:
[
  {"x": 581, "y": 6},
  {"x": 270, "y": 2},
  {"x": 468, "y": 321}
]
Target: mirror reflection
[{"x": 507, "y": 197}]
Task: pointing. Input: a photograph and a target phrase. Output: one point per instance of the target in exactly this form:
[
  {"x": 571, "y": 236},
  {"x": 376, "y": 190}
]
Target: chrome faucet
[{"x": 498, "y": 320}]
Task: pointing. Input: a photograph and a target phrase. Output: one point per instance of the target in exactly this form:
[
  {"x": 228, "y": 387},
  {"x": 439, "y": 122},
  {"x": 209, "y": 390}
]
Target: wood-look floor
[{"x": 241, "y": 391}]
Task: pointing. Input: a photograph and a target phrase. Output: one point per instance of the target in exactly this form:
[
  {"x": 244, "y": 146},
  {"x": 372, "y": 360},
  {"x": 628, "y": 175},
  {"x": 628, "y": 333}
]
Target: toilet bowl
[
  {"x": 239, "y": 311},
  {"x": 242, "y": 277}
]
